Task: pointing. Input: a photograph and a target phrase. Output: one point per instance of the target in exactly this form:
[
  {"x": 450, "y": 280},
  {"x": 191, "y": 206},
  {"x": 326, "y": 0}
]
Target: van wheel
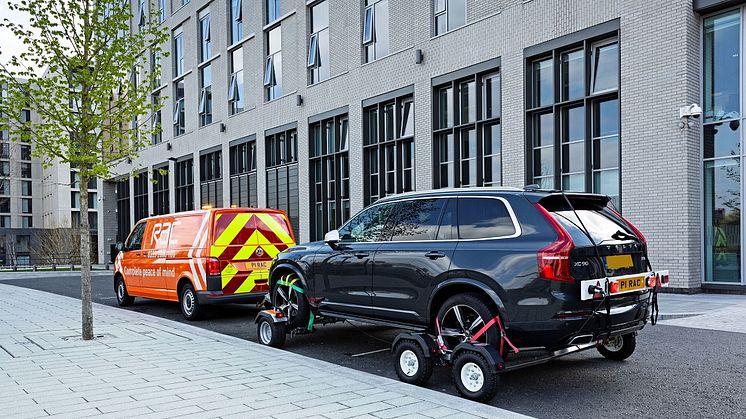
[
  {"x": 289, "y": 297},
  {"x": 123, "y": 299},
  {"x": 462, "y": 316},
  {"x": 473, "y": 377},
  {"x": 618, "y": 348},
  {"x": 190, "y": 307}
]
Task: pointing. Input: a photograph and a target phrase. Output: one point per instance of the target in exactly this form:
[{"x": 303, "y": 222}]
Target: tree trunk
[{"x": 85, "y": 260}]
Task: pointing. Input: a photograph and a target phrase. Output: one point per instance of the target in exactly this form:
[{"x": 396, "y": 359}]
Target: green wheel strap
[
  {"x": 291, "y": 284},
  {"x": 310, "y": 322}
]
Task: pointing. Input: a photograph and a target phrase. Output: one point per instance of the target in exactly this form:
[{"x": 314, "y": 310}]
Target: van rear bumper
[{"x": 217, "y": 297}]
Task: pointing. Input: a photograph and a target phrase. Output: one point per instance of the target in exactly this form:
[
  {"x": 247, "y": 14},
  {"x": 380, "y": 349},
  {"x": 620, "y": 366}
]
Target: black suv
[{"x": 451, "y": 260}]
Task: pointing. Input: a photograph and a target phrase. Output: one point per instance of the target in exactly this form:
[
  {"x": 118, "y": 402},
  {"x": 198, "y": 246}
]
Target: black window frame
[
  {"x": 184, "y": 184},
  {"x": 317, "y": 61},
  {"x": 243, "y": 173},
  {"x": 140, "y": 195},
  {"x": 211, "y": 177},
  {"x": 282, "y": 171},
  {"x": 161, "y": 200},
  {"x": 586, "y": 40},
  {"x": 372, "y": 49},
  {"x": 376, "y": 173},
  {"x": 122, "y": 188},
  {"x": 482, "y": 125},
  {"x": 329, "y": 171}
]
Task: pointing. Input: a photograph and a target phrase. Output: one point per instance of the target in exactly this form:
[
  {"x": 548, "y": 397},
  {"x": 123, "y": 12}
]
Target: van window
[
  {"x": 368, "y": 226},
  {"x": 417, "y": 220},
  {"x": 134, "y": 241},
  {"x": 481, "y": 218}
]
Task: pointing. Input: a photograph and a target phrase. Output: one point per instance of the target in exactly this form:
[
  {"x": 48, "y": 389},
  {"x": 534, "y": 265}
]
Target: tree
[{"x": 93, "y": 101}]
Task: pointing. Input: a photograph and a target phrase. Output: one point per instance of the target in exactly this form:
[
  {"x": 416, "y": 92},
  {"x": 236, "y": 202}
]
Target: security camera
[{"x": 695, "y": 111}]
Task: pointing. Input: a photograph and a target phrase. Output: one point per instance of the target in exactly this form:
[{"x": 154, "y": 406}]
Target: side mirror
[
  {"x": 332, "y": 238},
  {"x": 119, "y": 246}
]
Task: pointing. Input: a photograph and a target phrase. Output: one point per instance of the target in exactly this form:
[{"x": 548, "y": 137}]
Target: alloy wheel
[
  {"x": 459, "y": 324},
  {"x": 286, "y": 300}
]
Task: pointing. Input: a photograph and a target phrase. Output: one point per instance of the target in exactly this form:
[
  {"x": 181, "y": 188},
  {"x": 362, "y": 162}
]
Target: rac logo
[{"x": 162, "y": 233}]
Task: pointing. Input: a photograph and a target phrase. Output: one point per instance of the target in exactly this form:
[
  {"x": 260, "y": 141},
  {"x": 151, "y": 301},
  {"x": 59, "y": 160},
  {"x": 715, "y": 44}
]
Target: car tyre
[
  {"x": 410, "y": 363},
  {"x": 473, "y": 376},
  {"x": 474, "y": 312},
  {"x": 190, "y": 306},
  {"x": 123, "y": 298},
  {"x": 618, "y": 348},
  {"x": 291, "y": 300},
  {"x": 270, "y": 333}
]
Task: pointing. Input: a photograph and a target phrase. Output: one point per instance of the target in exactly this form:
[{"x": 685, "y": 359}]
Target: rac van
[{"x": 220, "y": 255}]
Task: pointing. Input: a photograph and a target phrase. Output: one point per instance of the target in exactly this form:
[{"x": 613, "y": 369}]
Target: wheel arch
[
  {"x": 284, "y": 268},
  {"x": 180, "y": 285},
  {"x": 454, "y": 286}
]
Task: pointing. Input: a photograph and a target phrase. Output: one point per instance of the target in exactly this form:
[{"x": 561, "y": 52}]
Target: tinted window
[
  {"x": 480, "y": 218},
  {"x": 448, "y": 227},
  {"x": 134, "y": 242},
  {"x": 368, "y": 226},
  {"x": 601, "y": 227},
  {"x": 417, "y": 220}
]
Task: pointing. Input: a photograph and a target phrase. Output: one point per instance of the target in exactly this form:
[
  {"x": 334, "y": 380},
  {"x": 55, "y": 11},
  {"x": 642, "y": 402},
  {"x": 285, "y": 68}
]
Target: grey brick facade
[{"x": 659, "y": 44}]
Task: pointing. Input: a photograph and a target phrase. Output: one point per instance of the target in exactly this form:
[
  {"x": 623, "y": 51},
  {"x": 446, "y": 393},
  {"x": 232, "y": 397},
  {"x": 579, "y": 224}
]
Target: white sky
[{"x": 10, "y": 46}]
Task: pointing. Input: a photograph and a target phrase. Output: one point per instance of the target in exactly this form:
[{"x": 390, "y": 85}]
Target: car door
[
  {"x": 342, "y": 271},
  {"x": 417, "y": 257},
  {"x": 131, "y": 257}
]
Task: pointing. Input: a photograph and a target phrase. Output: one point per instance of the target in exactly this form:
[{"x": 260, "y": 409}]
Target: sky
[{"x": 9, "y": 46}]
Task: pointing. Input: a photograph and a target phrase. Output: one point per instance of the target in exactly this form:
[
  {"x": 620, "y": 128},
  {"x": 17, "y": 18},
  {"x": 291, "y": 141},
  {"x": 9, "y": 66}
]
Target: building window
[
  {"x": 160, "y": 191},
  {"x": 26, "y": 189},
  {"x": 235, "y": 87},
  {"x": 211, "y": 179},
  {"x": 273, "y": 10},
  {"x": 388, "y": 148},
  {"x": 123, "y": 208},
  {"x": 723, "y": 152},
  {"x": 140, "y": 196},
  {"x": 179, "y": 112},
  {"x": 178, "y": 47},
  {"x": 5, "y": 187},
  {"x": 376, "y": 29},
  {"x": 141, "y": 14},
  {"x": 161, "y": 11},
  {"x": 205, "y": 95},
  {"x": 318, "y": 43},
  {"x": 273, "y": 64},
  {"x": 26, "y": 207},
  {"x": 4, "y": 168},
  {"x": 4, "y": 149},
  {"x": 449, "y": 15},
  {"x": 5, "y": 205},
  {"x": 25, "y": 170},
  {"x": 573, "y": 114},
  {"x": 184, "y": 185},
  {"x": 467, "y": 139},
  {"x": 243, "y": 174},
  {"x": 236, "y": 16},
  {"x": 27, "y": 221},
  {"x": 205, "y": 47},
  {"x": 157, "y": 127},
  {"x": 4, "y": 223},
  {"x": 26, "y": 152},
  {"x": 329, "y": 165},
  {"x": 282, "y": 173}
]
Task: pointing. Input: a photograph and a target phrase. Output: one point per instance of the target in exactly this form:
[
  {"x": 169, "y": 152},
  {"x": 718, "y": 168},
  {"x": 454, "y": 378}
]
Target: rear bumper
[
  {"x": 584, "y": 327},
  {"x": 217, "y": 297}
]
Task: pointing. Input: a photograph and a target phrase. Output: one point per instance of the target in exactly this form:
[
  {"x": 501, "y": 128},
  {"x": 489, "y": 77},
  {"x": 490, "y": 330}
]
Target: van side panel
[
  {"x": 185, "y": 258},
  {"x": 246, "y": 243}
]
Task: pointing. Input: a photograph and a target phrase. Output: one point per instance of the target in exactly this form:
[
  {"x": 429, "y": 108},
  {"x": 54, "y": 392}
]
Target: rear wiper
[{"x": 620, "y": 235}]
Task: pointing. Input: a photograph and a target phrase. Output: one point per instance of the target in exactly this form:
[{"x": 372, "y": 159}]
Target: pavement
[
  {"x": 145, "y": 366},
  {"x": 722, "y": 312}
]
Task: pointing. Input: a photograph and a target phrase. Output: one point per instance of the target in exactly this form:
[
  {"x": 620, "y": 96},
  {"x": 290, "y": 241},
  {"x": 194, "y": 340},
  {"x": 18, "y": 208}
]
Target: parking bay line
[{"x": 369, "y": 352}]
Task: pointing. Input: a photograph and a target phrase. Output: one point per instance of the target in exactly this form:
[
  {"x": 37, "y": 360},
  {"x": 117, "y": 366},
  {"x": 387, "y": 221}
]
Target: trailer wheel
[
  {"x": 270, "y": 333},
  {"x": 473, "y": 377},
  {"x": 618, "y": 348},
  {"x": 410, "y": 363}
]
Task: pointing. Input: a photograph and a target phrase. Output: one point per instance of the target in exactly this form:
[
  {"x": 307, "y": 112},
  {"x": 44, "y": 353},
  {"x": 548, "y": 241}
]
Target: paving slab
[{"x": 142, "y": 366}]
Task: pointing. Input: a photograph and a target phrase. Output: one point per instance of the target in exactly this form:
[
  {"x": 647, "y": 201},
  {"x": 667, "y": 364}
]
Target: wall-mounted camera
[{"x": 686, "y": 113}]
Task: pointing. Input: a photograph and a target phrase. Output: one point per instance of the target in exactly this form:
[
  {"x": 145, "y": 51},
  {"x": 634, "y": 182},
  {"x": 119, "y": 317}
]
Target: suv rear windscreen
[{"x": 592, "y": 213}]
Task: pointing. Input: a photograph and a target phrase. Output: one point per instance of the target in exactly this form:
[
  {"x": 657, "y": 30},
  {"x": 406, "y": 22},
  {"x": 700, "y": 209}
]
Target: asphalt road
[{"x": 675, "y": 372}]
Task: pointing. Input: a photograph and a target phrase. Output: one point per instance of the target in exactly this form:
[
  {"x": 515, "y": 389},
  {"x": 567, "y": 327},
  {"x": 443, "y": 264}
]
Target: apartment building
[{"x": 321, "y": 107}]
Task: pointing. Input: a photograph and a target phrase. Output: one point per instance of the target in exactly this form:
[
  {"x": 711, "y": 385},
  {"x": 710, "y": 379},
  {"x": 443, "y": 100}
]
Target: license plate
[
  {"x": 619, "y": 261},
  {"x": 630, "y": 284},
  {"x": 258, "y": 265}
]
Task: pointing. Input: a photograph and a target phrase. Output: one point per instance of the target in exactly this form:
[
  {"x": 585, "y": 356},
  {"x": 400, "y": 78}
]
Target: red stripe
[
  {"x": 222, "y": 223},
  {"x": 235, "y": 282},
  {"x": 239, "y": 241}
]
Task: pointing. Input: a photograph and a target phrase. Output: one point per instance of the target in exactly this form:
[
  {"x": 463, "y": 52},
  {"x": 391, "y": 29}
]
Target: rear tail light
[
  {"x": 213, "y": 266},
  {"x": 631, "y": 226},
  {"x": 554, "y": 260},
  {"x": 614, "y": 287},
  {"x": 651, "y": 281}
]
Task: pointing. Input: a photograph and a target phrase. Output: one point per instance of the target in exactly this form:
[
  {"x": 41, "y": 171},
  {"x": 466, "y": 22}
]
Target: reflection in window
[
  {"x": 722, "y": 187},
  {"x": 329, "y": 164},
  {"x": 606, "y": 149},
  {"x": 205, "y": 48},
  {"x": 273, "y": 64},
  {"x": 722, "y": 64},
  {"x": 376, "y": 29},
  {"x": 449, "y": 15},
  {"x": 318, "y": 43},
  {"x": 369, "y": 225},
  {"x": 236, "y": 17},
  {"x": 388, "y": 162},
  {"x": 179, "y": 112},
  {"x": 235, "y": 87},
  {"x": 480, "y": 218},
  {"x": 417, "y": 220},
  {"x": 205, "y": 96},
  {"x": 468, "y": 142},
  {"x": 605, "y": 68}
]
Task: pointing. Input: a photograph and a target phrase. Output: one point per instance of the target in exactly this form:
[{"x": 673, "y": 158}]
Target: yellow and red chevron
[{"x": 246, "y": 244}]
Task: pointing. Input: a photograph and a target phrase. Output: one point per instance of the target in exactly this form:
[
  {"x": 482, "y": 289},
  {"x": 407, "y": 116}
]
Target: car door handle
[
  {"x": 361, "y": 255},
  {"x": 435, "y": 255}
]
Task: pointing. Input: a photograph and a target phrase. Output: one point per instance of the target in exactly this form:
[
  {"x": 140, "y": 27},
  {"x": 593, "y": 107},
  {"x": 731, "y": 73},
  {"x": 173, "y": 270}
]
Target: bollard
[{"x": 35, "y": 268}]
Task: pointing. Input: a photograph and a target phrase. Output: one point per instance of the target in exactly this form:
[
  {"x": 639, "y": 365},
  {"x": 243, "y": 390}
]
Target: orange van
[{"x": 201, "y": 257}]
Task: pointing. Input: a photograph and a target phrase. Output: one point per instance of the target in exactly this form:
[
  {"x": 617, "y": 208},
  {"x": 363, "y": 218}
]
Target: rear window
[
  {"x": 600, "y": 226},
  {"x": 481, "y": 218}
]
